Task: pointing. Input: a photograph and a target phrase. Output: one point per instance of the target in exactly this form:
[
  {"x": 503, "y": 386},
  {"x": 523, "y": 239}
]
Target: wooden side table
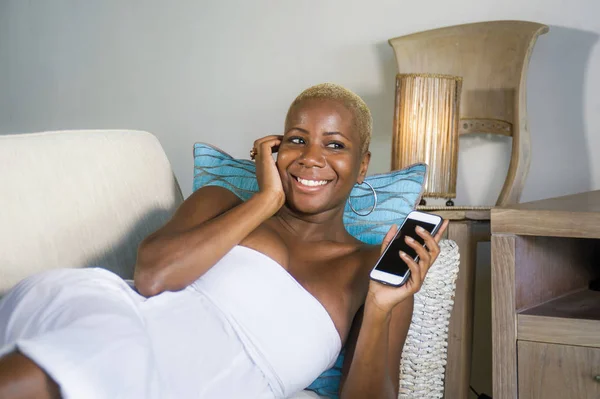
[
  {"x": 468, "y": 226},
  {"x": 545, "y": 316}
]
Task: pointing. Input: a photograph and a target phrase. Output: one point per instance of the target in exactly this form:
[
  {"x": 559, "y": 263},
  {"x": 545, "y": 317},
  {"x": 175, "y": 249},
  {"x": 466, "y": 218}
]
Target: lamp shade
[{"x": 426, "y": 128}]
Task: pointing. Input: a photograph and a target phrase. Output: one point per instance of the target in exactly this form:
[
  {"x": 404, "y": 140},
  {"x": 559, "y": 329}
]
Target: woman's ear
[{"x": 364, "y": 166}]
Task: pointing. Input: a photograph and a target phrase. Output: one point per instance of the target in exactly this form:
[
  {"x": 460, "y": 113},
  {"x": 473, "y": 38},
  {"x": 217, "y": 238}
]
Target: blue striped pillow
[{"x": 397, "y": 194}]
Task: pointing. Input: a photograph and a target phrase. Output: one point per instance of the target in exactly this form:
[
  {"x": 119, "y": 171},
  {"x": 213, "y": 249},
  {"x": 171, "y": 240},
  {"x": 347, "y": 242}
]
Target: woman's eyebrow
[
  {"x": 335, "y": 134},
  {"x": 297, "y": 128},
  {"x": 324, "y": 134}
]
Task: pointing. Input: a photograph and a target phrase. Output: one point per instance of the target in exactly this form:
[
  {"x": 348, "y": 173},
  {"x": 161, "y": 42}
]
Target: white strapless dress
[{"x": 245, "y": 329}]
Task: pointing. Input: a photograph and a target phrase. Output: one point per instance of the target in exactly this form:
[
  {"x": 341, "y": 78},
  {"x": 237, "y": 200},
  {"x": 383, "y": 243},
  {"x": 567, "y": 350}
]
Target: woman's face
[{"x": 320, "y": 159}]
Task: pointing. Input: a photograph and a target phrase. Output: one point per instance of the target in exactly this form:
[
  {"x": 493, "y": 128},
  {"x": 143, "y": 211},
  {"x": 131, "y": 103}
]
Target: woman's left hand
[{"x": 385, "y": 297}]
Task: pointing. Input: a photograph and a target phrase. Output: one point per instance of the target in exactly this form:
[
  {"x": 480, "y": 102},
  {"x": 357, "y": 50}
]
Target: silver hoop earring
[{"x": 374, "y": 202}]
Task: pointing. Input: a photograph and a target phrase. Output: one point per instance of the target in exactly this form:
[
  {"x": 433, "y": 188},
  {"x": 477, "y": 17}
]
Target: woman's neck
[{"x": 326, "y": 226}]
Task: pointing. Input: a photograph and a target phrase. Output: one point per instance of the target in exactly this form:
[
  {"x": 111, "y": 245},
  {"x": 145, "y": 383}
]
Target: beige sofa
[
  {"x": 87, "y": 198},
  {"x": 80, "y": 198}
]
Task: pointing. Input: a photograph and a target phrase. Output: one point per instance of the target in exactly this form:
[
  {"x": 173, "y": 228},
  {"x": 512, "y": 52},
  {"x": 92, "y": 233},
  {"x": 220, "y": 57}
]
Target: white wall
[{"x": 225, "y": 72}]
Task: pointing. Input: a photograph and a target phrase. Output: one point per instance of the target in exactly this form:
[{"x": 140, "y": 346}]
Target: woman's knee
[{"x": 20, "y": 377}]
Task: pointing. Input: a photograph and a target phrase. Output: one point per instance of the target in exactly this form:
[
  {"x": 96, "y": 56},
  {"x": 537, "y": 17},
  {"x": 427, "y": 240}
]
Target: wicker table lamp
[{"x": 426, "y": 129}]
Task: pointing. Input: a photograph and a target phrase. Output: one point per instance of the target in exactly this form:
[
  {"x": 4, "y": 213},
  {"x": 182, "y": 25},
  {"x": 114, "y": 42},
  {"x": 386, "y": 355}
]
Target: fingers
[
  {"x": 266, "y": 146},
  {"x": 424, "y": 255},
  {"x": 267, "y": 139},
  {"x": 258, "y": 142},
  {"x": 432, "y": 242},
  {"x": 428, "y": 252},
  {"x": 389, "y": 237},
  {"x": 417, "y": 275},
  {"x": 269, "y": 147},
  {"x": 441, "y": 231}
]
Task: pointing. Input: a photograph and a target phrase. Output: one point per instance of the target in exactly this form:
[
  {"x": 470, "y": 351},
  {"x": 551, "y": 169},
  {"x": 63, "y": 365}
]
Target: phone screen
[{"x": 391, "y": 262}]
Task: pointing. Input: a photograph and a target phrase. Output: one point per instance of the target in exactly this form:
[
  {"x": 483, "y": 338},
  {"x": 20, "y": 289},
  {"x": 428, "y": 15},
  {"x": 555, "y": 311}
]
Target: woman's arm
[
  {"x": 373, "y": 351},
  {"x": 374, "y": 361},
  {"x": 205, "y": 227}
]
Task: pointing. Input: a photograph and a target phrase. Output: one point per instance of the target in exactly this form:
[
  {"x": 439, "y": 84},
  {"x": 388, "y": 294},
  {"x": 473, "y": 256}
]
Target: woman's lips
[{"x": 310, "y": 184}]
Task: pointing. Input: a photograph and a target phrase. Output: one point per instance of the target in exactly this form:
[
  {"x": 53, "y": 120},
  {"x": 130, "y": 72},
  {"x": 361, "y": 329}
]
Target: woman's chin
[{"x": 307, "y": 207}]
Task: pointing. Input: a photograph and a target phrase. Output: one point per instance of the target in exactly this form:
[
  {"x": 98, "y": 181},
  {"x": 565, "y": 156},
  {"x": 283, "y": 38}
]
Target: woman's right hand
[{"x": 269, "y": 182}]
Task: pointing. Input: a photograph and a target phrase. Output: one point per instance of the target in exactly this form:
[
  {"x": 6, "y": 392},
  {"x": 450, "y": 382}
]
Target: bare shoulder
[{"x": 203, "y": 205}]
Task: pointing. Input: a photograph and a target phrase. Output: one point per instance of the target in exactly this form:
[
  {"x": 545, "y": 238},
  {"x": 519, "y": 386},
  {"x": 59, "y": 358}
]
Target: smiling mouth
[{"x": 311, "y": 183}]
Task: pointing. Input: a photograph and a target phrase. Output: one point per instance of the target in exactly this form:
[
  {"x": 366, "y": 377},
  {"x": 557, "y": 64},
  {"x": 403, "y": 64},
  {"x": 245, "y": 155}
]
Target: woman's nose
[{"x": 312, "y": 157}]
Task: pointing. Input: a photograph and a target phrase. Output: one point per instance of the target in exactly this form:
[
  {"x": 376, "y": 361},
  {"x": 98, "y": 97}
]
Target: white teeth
[{"x": 312, "y": 183}]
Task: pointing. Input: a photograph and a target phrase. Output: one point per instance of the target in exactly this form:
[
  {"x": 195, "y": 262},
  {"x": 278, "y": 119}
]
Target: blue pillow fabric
[
  {"x": 397, "y": 194},
  {"x": 213, "y": 167},
  {"x": 328, "y": 383}
]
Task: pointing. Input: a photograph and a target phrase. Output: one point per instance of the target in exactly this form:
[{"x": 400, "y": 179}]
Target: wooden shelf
[
  {"x": 575, "y": 215},
  {"x": 583, "y": 304},
  {"x": 572, "y": 319}
]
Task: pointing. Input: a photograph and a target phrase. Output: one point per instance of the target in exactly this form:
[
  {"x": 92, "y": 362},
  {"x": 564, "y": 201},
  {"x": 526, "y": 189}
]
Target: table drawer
[{"x": 549, "y": 371}]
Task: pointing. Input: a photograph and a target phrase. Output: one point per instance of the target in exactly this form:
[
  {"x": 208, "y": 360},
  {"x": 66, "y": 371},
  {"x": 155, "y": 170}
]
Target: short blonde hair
[{"x": 363, "y": 121}]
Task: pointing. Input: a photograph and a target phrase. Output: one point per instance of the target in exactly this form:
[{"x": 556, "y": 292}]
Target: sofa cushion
[{"x": 80, "y": 198}]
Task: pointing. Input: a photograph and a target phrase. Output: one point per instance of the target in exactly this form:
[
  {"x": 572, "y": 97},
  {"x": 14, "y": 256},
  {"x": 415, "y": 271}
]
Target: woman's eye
[
  {"x": 335, "y": 146},
  {"x": 296, "y": 140}
]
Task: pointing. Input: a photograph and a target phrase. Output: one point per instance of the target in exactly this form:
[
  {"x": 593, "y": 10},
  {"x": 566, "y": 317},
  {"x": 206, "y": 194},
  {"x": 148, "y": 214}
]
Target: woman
[{"x": 232, "y": 299}]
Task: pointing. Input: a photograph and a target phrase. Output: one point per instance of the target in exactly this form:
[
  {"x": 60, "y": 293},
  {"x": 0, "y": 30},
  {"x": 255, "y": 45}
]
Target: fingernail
[
  {"x": 403, "y": 254},
  {"x": 409, "y": 239},
  {"x": 420, "y": 229}
]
